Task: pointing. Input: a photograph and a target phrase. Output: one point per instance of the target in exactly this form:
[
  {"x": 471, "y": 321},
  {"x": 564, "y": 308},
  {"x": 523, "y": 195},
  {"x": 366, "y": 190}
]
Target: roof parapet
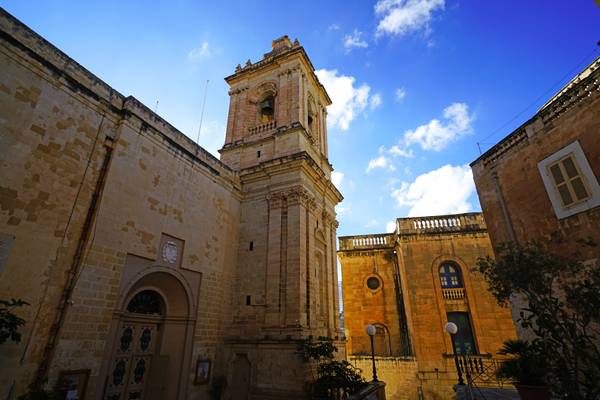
[{"x": 467, "y": 222}]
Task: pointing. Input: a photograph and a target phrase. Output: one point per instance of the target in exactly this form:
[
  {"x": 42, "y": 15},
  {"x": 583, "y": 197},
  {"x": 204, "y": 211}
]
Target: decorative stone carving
[
  {"x": 169, "y": 252},
  {"x": 275, "y": 199},
  {"x": 327, "y": 217},
  {"x": 263, "y": 90},
  {"x": 293, "y": 195}
]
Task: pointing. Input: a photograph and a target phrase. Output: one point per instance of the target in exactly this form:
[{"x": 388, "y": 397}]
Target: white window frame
[{"x": 590, "y": 181}]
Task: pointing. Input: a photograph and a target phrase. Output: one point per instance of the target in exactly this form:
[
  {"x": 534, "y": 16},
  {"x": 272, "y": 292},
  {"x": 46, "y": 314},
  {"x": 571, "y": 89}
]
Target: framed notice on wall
[
  {"x": 202, "y": 372},
  {"x": 71, "y": 385}
]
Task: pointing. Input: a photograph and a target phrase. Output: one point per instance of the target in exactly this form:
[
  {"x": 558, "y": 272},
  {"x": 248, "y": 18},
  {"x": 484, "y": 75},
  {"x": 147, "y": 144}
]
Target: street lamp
[
  {"x": 371, "y": 331},
  {"x": 452, "y": 329}
]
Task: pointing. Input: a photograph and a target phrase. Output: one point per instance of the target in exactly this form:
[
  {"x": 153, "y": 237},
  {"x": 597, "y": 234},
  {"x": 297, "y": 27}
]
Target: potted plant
[{"x": 526, "y": 367}]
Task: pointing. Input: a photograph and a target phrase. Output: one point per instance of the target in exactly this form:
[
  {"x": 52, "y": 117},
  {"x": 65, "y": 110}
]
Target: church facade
[{"x": 152, "y": 269}]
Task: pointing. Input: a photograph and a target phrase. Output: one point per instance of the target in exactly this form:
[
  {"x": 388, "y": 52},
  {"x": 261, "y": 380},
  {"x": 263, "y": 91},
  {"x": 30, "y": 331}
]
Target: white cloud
[
  {"x": 400, "y": 94},
  {"x": 385, "y": 159},
  {"x": 399, "y": 17},
  {"x": 381, "y": 162},
  {"x": 348, "y": 100},
  {"x": 375, "y": 101},
  {"x": 334, "y": 27},
  {"x": 442, "y": 191},
  {"x": 354, "y": 40},
  {"x": 390, "y": 226},
  {"x": 399, "y": 152},
  {"x": 200, "y": 52},
  {"x": 436, "y": 135},
  {"x": 336, "y": 178}
]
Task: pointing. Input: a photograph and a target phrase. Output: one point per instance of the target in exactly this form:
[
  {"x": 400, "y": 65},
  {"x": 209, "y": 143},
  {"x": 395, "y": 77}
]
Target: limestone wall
[
  {"x": 60, "y": 128},
  {"x": 399, "y": 374}
]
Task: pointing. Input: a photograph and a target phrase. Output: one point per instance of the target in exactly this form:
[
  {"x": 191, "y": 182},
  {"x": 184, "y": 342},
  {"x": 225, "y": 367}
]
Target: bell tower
[{"x": 286, "y": 284}]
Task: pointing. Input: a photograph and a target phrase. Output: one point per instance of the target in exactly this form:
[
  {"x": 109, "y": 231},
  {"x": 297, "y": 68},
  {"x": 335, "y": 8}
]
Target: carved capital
[
  {"x": 294, "y": 195},
  {"x": 328, "y": 217},
  {"x": 298, "y": 195},
  {"x": 275, "y": 199}
]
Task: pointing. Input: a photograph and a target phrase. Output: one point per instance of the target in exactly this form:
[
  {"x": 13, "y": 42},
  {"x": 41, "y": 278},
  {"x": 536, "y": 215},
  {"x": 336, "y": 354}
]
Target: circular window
[{"x": 373, "y": 283}]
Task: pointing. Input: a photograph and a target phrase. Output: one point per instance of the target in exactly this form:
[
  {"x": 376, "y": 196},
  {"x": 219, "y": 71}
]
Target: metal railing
[{"x": 479, "y": 370}]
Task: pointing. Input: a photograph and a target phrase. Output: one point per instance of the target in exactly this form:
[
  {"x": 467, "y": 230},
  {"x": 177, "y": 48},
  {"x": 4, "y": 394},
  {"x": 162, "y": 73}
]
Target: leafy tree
[
  {"x": 561, "y": 307},
  {"x": 526, "y": 365},
  {"x": 334, "y": 377},
  {"x": 9, "y": 322}
]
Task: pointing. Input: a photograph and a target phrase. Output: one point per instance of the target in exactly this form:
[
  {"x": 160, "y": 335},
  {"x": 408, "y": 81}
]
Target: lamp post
[
  {"x": 451, "y": 329},
  {"x": 371, "y": 330}
]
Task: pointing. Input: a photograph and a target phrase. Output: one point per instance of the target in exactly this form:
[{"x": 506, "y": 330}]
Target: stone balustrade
[
  {"x": 454, "y": 293},
  {"x": 367, "y": 241},
  {"x": 441, "y": 223},
  {"x": 262, "y": 127}
]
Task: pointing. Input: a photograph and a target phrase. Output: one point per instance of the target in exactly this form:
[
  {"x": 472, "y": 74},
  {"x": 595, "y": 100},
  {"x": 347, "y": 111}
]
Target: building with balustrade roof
[{"x": 409, "y": 284}]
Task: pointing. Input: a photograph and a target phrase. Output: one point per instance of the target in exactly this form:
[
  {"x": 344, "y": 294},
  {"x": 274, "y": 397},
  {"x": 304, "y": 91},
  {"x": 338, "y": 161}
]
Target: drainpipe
[
  {"x": 404, "y": 335},
  {"x": 53, "y": 336}
]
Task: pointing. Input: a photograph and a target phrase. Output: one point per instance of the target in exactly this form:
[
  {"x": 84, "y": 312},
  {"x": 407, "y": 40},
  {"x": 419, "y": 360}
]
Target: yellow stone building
[
  {"x": 152, "y": 269},
  {"x": 409, "y": 284}
]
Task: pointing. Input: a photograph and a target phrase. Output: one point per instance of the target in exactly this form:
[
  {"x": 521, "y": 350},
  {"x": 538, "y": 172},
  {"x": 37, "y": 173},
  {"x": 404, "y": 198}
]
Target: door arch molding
[{"x": 169, "y": 358}]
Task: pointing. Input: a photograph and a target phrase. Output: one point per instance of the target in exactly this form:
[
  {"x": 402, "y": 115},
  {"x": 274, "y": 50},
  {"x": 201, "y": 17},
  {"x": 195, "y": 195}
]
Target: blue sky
[{"x": 416, "y": 84}]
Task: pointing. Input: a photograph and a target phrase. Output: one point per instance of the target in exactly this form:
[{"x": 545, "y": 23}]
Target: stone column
[
  {"x": 298, "y": 242},
  {"x": 272, "y": 296}
]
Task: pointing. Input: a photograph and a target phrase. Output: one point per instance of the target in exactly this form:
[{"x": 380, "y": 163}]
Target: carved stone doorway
[{"x": 151, "y": 339}]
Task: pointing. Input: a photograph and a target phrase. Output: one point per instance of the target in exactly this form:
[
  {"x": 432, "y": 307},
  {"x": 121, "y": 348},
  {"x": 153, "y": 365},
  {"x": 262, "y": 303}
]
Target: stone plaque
[{"x": 169, "y": 252}]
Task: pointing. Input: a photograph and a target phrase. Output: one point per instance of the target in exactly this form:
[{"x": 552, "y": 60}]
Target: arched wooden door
[{"x": 136, "y": 348}]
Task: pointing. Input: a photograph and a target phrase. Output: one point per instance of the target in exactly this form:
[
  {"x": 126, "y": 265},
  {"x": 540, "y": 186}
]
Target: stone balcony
[{"x": 453, "y": 294}]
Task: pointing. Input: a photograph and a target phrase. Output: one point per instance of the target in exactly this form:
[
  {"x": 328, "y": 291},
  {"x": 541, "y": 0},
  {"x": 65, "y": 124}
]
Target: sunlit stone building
[{"x": 409, "y": 284}]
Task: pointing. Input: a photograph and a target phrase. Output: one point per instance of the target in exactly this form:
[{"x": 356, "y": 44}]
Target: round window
[{"x": 373, "y": 283}]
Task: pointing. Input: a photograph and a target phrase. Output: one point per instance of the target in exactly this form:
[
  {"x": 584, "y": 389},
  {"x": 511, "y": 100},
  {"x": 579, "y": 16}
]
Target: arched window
[
  {"x": 267, "y": 109},
  {"x": 450, "y": 276},
  {"x": 146, "y": 302},
  {"x": 310, "y": 116},
  {"x": 381, "y": 341}
]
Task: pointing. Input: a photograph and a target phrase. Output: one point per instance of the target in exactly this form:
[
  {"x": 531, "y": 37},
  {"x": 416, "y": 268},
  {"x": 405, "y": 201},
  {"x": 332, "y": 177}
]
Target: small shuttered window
[{"x": 568, "y": 181}]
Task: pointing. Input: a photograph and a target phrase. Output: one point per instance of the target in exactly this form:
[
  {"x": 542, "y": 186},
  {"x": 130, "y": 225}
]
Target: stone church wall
[{"x": 61, "y": 131}]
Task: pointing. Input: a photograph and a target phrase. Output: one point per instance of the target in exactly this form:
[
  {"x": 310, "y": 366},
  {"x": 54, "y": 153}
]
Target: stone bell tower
[{"x": 286, "y": 283}]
